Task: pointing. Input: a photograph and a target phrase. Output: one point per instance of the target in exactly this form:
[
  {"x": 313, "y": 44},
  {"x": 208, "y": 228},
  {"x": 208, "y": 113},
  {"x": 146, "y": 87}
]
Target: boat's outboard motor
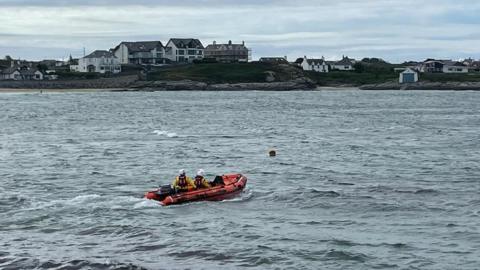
[{"x": 165, "y": 191}]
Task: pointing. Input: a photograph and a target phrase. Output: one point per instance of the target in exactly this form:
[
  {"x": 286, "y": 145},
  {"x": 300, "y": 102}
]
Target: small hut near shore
[{"x": 408, "y": 76}]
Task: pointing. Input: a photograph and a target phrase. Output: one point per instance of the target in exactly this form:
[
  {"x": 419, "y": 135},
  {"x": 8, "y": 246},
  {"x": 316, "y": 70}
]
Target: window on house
[
  {"x": 191, "y": 52},
  {"x": 181, "y": 52},
  {"x": 200, "y": 52}
]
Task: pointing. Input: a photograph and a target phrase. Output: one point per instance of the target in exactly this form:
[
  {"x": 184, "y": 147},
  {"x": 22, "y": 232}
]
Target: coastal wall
[{"x": 102, "y": 83}]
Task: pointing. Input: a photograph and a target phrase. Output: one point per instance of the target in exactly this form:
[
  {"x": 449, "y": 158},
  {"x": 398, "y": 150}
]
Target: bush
[
  {"x": 70, "y": 75},
  {"x": 205, "y": 61}
]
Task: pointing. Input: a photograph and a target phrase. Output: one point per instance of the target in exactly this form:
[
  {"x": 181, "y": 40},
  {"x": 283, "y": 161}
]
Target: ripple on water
[{"x": 366, "y": 172}]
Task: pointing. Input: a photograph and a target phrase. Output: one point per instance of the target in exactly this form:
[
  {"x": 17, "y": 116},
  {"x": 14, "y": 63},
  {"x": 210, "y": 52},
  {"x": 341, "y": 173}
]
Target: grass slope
[
  {"x": 221, "y": 72},
  {"x": 256, "y": 72},
  {"x": 349, "y": 78},
  {"x": 442, "y": 77}
]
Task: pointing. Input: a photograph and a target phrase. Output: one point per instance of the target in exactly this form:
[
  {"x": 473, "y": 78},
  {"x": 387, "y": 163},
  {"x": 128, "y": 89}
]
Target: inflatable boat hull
[{"x": 231, "y": 186}]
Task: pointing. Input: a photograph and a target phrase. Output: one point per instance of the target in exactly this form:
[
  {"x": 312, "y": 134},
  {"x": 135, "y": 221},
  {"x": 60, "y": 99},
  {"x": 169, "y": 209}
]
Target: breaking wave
[{"x": 165, "y": 133}]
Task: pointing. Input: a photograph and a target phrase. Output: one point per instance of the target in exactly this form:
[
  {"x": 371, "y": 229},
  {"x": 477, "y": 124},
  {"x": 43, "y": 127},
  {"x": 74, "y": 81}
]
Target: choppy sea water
[{"x": 362, "y": 180}]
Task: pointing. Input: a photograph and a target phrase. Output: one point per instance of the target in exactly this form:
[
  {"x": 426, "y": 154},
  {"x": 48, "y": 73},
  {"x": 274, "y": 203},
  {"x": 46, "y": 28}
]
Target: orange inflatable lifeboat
[{"x": 224, "y": 187}]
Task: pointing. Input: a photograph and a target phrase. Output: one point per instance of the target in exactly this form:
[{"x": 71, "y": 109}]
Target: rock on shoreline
[
  {"x": 459, "y": 86},
  {"x": 131, "y": 83},
  {"x": 298, "y": 84}
]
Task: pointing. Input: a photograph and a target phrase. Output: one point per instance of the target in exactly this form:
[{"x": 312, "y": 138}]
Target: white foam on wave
[
  {"x": 246, "y": 195},
  {"x": 83, "y": 198},
  {"x": 165, "y": 133},
  {"x": 144, "y": 203},
  {"x": 90, "y": 201},
  {"x": 78, "y": 200}
]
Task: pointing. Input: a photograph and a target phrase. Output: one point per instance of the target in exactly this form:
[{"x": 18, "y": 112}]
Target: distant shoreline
[
  {"x": 132, "y": 84},
  {"x": 234, "y": 89}
]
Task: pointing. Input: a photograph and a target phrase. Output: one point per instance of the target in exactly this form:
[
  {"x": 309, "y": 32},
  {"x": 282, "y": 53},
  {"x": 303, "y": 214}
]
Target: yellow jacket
[
  {"x": 190, "y": 184},
  {"x": 203, "y": 182}
]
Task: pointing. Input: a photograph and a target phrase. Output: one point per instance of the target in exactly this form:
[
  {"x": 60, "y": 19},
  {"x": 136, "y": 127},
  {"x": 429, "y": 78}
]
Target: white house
[
  {"x": 11, "y": 73},
  {"x": 318, "y": 65},
  {"x": 98, "y": 61},
  {"x": 32, "y": 74},
  {"x": 21, "y": 73},
  {"x": 408, "y": 76},
  {"x": 184, "y": 50},
  {"x": 344, "y": 64},
  {"x": 140, "y": 53},
  {"x": 454, "y": 67}
]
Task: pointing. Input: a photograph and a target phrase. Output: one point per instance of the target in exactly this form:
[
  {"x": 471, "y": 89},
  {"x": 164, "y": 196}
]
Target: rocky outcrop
[
  {"x": 298, "y": 84},
  {"x": 132, "y": 83},
  {"x": 423, "y": 86},
  {"x": 169, "y": 85}
]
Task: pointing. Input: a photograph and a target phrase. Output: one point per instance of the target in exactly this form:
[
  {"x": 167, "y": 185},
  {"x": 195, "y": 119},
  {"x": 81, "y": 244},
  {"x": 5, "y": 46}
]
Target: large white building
[
  {"x": 98, "y": 61},
  {"x": 318, "y": 65},
  {"x": 442, "y": 66},
  {"x": 140, "y": 53},
  {"x": 454, "y": 67},
  {"x": 184, "y": 50}
]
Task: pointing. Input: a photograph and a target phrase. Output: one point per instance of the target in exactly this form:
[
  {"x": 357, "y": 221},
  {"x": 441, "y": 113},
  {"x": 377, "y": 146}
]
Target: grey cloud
[{"x": 391, "y": 29}]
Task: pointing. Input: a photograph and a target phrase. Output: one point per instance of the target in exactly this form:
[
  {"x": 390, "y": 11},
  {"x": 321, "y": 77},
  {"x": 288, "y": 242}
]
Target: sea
[{"x": 361, "y": 180}]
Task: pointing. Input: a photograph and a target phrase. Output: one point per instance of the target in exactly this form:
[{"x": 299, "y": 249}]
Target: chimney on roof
[
  {"x": 214, "y": 42},
  {"x": 229, "y": 42},
  {"x": 243, "y": 42}
]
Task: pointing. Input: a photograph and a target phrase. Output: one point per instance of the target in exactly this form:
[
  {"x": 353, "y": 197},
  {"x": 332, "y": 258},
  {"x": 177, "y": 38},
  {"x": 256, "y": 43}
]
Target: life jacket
[
  {"x": 182, "y": 181},
  {"x": 199, "y": 181}
]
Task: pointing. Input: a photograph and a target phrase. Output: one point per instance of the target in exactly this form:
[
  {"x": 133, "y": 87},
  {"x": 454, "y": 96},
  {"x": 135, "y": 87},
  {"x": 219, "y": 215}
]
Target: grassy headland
[
  {"x": 368, "y": 74},
  {"x": 367, "y": 71},
  {"x": 226, "y": 73}
]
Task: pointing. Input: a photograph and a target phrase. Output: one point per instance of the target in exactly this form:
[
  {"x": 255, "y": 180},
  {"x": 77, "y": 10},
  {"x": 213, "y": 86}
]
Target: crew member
[
  {"x": 200, "y": 180},
  {"x": 182, "y": 182}
]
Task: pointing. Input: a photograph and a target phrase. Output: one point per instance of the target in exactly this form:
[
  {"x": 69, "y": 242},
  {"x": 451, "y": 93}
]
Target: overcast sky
[{"x": 391, "y": 29}]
